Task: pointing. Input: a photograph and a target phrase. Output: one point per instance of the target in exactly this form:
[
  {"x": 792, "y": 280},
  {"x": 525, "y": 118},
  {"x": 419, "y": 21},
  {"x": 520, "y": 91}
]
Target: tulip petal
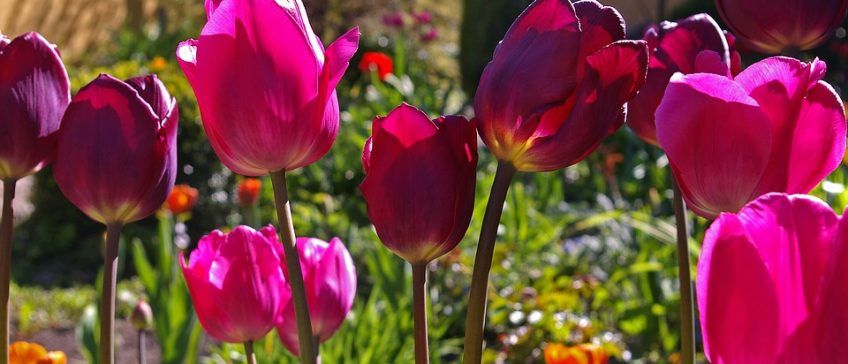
[
  {"x": 338, "y": 56},
  {"x": 613, "y": 75},
  {"x": 807, "y": 117},
  {"x": 551, "y": 75},
  {"x": 599, "y": 25},
  {"x": 333, "y": 288},
  {"x": 737, "y": 301},
  {"x": 34, "y": 93},
  {"x": 832, "y": 328},
  {"x": 715, "y": 137}
]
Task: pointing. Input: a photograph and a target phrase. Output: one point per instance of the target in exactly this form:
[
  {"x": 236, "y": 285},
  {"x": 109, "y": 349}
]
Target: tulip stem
[
  {"x": 248, "y": 352},
  {"x": 142, "y": 345},
  {"x": 308, "y": 350},
  {"x": 476, "y": 319},
  {"x": 107, "y": 299},
  {"x": 419, "y": 312},
  {"x": 6, "y": 223},
  {"x": 687, "y": 311}
]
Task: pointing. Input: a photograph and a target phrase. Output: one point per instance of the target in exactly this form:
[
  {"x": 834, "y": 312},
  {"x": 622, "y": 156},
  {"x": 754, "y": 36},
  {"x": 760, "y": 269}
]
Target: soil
[{"x": 64, "y": 339}]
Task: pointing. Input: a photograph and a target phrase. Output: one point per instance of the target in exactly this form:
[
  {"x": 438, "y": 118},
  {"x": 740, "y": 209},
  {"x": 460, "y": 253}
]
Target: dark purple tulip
[
  {"x": 419, "y": 184},
  {"x": 676, "y": 47},
  {"x": 775, "y": 26},
  {"x": 116, "y": 155},
  {"x": 557, "y": 84},
  {"x": 34, "y": 92}
]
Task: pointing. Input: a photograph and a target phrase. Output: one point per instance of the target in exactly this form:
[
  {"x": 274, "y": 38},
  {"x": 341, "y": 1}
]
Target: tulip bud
[
  {"x": 330, "y": 280},
  {"x": 142, "y": 316},
  {"x": 182, "y": 199},
  {"x": 557, "y": 84},
  {"x": 265, "y": 84},
  {"x": 234, "y": 280},
  {"x": 248, "y": 191},
  {"x": 776, "y": 127},
  {"x": 420, "y": 180},
  {"x": 675, "y": 47},
  {"x": 34, "y": 93},
  {"x": 117, "y": 156},
  {"x": 775, "y": 26}
]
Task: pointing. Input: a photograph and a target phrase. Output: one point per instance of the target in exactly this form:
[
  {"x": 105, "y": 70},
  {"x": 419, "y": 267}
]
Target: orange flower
[
  {"x": 377, "y": 61},
  {"x": 182, "y": 199},
  {"x": 158, "y": 64},
  {"x": 248, "y": 191},
  {"x": 31, "y": 353},
  {"x": 580, "y": 354}
]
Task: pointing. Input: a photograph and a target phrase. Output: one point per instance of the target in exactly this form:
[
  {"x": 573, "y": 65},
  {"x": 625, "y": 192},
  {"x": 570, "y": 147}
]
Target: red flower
[{"x": 376, "y": 61}]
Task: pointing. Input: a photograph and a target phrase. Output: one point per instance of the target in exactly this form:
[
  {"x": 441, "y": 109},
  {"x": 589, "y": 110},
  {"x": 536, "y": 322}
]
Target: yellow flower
[{"x": 31, "y": 353}]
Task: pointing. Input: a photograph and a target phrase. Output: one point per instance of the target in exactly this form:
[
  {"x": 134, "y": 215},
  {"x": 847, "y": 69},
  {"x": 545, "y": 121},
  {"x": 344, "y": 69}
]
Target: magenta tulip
[
  {"x": 771, "y": 283},
  {"x": 557, "y": 84},
  {"x": 330, "y": 279},
  {"x": 265, "y": 84},
  {"x": 678, "y": 47},
  {"x": 775, "y": 128},
  {"x": 116, "y": 156},
  {"x": 775, "y": 26},
  {"x": 34, "y": 92},
  {"x": 420, "y": 179},
  {"x": 234, "y": 280}
]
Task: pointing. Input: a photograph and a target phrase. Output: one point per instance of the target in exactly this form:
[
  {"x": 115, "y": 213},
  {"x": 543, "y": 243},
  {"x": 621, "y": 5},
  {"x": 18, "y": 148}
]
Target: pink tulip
[
  {"x": 234, "y": 280},
  {"x": 420, "y": 179},
  {"x": 330, "y": 280},
  {"x": 775, "y": 128},
  {"x": 34, "y": 92},
  {"x": 557, "y": 84},
  {"x": 676, "y": 47},
  {"x": 774, "y": 26},
  {"x": 771, "y": 283},
  {"x": 265, "y": 84},
  {"x": 117, "y": 155}
]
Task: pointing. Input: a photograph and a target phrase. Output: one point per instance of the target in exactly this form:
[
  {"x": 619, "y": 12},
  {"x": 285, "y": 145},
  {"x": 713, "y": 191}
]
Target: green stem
[
  {"x": 142, "y": 346},
  {"x": 308, "y": 351},
  {"x": 476, "y": 319},
  {"x": 419, "y": 312},
  {"x": 107, "y": 300},
  {"x": 6, "y": 223},
  {"x": 687, "y": 311},
  {"x": 248, "y": 352}
]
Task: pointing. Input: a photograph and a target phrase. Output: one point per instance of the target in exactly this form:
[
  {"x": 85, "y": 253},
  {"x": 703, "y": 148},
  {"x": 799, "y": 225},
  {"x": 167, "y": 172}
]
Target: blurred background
[{"x": 586, "y": 254}]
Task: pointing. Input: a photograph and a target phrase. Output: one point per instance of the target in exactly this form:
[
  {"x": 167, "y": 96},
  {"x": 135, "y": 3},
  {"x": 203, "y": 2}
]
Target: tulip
[
  {"x": 776, "y": 127},
  {"x": 678, "y": 47},
  {"x": 34, "y": 92},
  {"x": 234, "y": 281},
  {"x": 142, "y": 319},
  {"x": 775, "y": 26},
  {"x": 116, "y": 161},
  {"x": 330, "y": 279},
  {"x": 556, "y": 87},
  {"x": 182, "y": 199},
  {"x": 771, "y": 283},
  {"x": 265, "y": 84},
  {"x": 377, "y": 62},
  {"x": 420, "y": 180},
  {"x": 116, "y": 157},
  {"x": 575, "y": 72}
]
